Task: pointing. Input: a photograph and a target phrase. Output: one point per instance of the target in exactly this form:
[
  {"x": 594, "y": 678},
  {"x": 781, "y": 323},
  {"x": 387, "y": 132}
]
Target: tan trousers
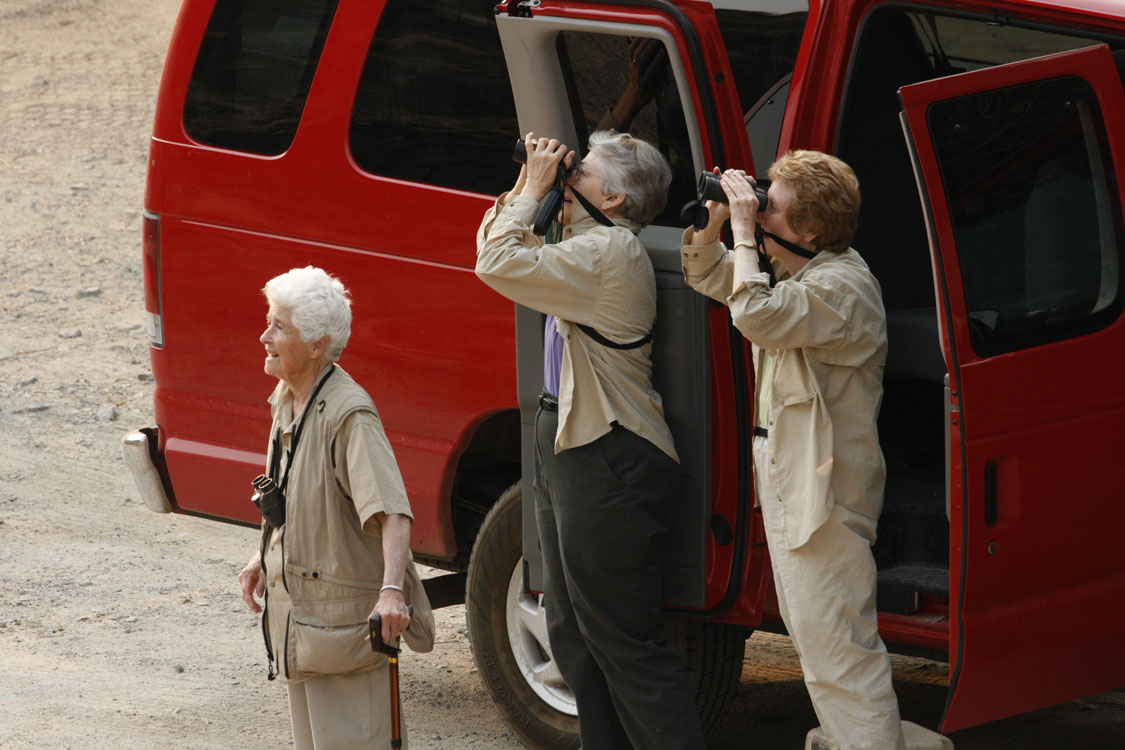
[
  {"x": 826, "y": 592},
  {"x": 343, "y": 712}
]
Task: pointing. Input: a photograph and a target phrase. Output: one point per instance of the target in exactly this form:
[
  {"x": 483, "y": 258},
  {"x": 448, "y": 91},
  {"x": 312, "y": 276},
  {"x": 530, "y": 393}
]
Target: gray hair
[
  {"x": 635, "y": 168},
  {"x": 318, "y": 306}
]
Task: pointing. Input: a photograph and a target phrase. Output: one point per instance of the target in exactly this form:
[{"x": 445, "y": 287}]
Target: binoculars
[
  {"x": 549, "y": 208},
  {"x": 519, "y": 156},
  {"x": 269, "y": 500},
  {"x": 709, "y": 189}
]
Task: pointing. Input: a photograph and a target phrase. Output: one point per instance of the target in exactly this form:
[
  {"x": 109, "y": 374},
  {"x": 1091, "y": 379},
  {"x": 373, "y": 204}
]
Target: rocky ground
[{"x": 123, "y": 629}]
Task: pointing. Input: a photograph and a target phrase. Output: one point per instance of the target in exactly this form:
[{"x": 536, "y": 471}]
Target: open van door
[
  {"x": 573, "y": 70},
  {"x": 1020, "y": 171},
  {"x": 658, "y": 71}
]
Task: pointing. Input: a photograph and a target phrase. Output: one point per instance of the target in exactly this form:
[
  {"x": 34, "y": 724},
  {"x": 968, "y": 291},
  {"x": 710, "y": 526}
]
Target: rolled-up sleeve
[
  {"x": 563, "y": 279},
  {"x": 708, "y": 269},
  {"x": 366, "y": 469},
  {"x": 793, "y": 314}
]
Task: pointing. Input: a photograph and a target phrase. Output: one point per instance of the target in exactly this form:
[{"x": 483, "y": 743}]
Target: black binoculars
[
  {"x": 552, "y": 202},
  {"x": 709, "y": 189},
  {"x": 519, "y": 156},
  {"x": 269, "y": 500}
]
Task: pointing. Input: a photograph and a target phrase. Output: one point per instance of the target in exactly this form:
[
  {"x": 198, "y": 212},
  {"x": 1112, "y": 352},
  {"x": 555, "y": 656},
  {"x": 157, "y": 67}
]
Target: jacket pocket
[{"x": 315, "y": 650}]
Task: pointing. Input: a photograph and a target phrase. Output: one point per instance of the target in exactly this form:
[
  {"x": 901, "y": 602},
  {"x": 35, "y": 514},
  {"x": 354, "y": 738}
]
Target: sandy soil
[{"x": 123, "y": 629}]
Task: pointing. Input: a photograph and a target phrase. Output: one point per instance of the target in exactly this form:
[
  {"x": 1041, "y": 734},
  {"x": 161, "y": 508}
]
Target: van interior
[{"x": 897, "y": 47}]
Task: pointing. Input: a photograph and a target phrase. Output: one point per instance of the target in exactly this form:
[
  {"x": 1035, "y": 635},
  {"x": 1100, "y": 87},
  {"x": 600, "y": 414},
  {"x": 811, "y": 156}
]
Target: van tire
[
  {"x": 494, "y": 570},
  {"x": 712, "y": 652}
]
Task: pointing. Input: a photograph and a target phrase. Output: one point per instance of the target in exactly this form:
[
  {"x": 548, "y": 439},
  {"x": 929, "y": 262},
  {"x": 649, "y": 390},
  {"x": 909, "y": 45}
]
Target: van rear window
[
  {"x": 253, "y": 73},
  {"x": 434, "y": 103}
]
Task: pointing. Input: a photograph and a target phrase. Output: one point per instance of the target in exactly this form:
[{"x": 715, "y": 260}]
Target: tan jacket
[
  {"x": 827, "y": 329},
  {"x": 596, "y": 276},
  {"x": 324, "y": 567}
]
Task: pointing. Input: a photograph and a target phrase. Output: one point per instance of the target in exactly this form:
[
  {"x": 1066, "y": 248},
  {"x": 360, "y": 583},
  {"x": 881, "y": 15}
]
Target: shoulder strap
[{"x": 613, "y": 344}]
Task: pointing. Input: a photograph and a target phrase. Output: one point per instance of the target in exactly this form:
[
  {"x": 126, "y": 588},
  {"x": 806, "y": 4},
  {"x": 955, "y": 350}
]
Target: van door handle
[{"x": 990, "y": 494}]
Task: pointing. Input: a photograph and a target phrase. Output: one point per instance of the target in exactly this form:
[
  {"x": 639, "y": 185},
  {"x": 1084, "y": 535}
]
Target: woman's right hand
[
  {"x": 253, "y": 583},
  {"x": 717, "y": 213},
  {"x": 543, "y": 159}
]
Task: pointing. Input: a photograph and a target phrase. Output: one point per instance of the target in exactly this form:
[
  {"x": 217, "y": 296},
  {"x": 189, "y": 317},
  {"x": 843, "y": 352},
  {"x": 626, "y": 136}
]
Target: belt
[
  {"x": 761, "y": 431},
  {"x": 548, "y": 402}
]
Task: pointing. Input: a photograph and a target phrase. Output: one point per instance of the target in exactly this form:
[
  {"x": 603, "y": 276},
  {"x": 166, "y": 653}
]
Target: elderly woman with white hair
[
  {"x": 606, "y": 469},
  {"x": 336, "y": 550}
]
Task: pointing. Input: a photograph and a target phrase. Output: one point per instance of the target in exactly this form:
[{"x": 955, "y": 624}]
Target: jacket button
[{"x": 316, "y": 575}]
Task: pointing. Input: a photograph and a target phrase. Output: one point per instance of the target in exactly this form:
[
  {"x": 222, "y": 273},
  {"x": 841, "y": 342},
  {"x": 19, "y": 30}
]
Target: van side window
[
  {"x": 1035, "y": 211},
  {"x": 607, "y": 90},
  {"x": 253, "y": 73},
  {"x": 762, "y": 49},
  {"x": 434, "y": 103}
]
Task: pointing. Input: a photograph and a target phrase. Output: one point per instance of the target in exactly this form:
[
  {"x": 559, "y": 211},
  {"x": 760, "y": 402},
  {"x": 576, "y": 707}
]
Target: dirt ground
[{"x": 120, "y": 628}]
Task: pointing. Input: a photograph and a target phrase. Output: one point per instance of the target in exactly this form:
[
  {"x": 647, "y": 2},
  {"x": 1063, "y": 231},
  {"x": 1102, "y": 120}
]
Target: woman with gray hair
[
  {"x": 606, "y": 470},
  {"x": 336, "y": 523}
]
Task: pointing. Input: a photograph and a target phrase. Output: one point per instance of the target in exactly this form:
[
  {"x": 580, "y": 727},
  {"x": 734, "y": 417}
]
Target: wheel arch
[{"x": 488, "y": 466}]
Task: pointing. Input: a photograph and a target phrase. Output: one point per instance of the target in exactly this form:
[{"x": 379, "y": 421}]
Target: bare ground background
[{"x": 123, "y": 629}]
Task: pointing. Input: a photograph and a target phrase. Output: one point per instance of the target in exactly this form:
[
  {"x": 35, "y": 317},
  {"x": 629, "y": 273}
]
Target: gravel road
[{"x": 123, "y": 629}]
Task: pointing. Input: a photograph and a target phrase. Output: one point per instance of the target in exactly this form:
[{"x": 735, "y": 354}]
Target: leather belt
[
  {"x": 761, "y": 431},
  {"x": 548, "y": 402}
]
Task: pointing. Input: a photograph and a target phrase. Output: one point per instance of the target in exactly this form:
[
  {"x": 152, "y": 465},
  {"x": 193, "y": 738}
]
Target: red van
[{"x": 369, "y": 136}]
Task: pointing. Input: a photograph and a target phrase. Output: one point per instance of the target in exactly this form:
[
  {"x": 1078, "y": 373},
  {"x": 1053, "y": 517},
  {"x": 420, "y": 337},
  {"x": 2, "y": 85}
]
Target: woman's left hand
[{"x": 743, "y": 204}]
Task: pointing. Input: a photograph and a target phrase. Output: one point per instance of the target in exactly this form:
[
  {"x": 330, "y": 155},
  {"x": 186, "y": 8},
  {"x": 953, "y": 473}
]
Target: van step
[{"x": 900, "y": 587}]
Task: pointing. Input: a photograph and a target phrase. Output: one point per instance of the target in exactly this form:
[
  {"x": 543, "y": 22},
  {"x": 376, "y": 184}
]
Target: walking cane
[{"x": 375, "y": 624}]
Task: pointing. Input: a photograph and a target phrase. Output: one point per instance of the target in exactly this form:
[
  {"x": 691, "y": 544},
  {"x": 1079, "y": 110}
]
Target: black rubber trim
[{"x": 955, "y": 384}]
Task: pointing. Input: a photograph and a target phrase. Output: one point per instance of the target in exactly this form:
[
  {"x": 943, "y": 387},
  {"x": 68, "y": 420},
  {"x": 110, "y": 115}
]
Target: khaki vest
[{"x": 332, "y": 570}]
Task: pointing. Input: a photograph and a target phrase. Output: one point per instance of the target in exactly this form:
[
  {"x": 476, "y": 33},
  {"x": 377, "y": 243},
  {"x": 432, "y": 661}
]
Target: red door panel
[{"x": 1021, "y": 169}]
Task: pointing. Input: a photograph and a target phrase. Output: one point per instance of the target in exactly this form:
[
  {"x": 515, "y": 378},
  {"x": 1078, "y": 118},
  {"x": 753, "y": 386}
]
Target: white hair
[
  {"x": 318, "y": 306},
  {"x": 635, "y": 168}
]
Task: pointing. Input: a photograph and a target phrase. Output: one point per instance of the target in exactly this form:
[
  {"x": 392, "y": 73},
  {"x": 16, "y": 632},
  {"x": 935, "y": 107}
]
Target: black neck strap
[
  {"x": 613, "y": 344},
  {"x": 595, "y": 214},
  {"x": 275, "y": 464},
  {"x": 791, "y": 246}
]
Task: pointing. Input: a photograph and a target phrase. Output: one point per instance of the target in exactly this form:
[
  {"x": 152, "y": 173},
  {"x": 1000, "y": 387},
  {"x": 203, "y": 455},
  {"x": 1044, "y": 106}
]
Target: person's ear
[
  {"x": 613, "y": 203},
  {"x": 320, "y": 346}
]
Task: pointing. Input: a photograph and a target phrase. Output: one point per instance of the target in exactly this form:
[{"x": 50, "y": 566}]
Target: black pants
[{"x": 604, "y": 510}]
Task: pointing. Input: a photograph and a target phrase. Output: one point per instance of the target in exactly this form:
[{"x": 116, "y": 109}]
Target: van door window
[
  {"x": 1032, "y": 194},
  {"x": 253, "y": 73},
  {"x": 626, "y": 83},
  {"x": 762, "y": 49},
  {"x": 897, "y": 47},
  {"x": 434, "y": 103}
]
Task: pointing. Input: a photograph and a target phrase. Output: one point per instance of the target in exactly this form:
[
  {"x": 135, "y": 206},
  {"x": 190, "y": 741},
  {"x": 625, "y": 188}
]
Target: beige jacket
[
  {"x": 596, "y": 276},
  {"x": 827, "y": 329},
  {"x": 324, "y": 567}
]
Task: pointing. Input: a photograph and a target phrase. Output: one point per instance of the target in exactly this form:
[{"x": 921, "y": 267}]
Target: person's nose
[{"x": 265, "y": 337}]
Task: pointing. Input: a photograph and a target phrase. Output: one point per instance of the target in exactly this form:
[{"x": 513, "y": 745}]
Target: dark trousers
[{"x": 603, "y": 512}]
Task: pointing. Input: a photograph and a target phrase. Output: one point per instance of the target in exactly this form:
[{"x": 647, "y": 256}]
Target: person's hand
[
  {"x": 717, "y": 213},
  {"x": 396, "y": 615},
  {"x": 543, "y": 158},
  {"x": 743, "y": 203},
  {"x": 253, "y": 583},
  {"x": 520, "y": 181},
  {"x": 648, "y": 66}
]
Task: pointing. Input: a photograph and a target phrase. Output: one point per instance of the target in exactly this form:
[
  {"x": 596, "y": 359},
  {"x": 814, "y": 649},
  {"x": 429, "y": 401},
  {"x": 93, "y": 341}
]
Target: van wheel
[{"x": 508, "y": 635}]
